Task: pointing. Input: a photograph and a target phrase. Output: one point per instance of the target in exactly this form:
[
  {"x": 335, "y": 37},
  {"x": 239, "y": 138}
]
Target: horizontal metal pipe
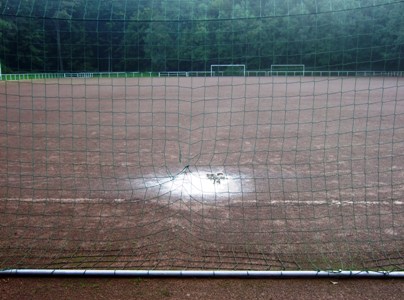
[{"x": 200, "y": 273}]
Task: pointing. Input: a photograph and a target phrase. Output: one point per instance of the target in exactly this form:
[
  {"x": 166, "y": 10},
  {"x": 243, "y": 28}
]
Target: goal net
[{"x": 178, "y": 160}]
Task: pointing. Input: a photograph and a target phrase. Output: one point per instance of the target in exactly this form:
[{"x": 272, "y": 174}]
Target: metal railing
[{"x": 249, "y": 73}]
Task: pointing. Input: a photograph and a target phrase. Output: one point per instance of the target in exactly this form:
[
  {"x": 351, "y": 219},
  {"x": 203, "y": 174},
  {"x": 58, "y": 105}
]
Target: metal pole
[{"x": 201, "y": 273}]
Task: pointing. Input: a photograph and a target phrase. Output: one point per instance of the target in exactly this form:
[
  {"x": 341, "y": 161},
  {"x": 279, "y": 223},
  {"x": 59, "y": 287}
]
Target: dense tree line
[{"x": 172, "y": 35}]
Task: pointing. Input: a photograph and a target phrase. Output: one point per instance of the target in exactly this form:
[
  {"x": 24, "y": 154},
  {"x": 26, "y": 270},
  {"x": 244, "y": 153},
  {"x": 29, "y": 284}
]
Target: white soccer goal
[
  {"x": 166, "y": 148},
  {"x": 227, "y": 70},
  {"x": 288, "y": 70}
]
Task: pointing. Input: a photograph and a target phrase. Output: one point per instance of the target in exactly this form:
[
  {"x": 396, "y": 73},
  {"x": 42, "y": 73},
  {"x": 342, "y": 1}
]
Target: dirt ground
[
  {"x": 124, "y": 174},
  {"x": 143, "y": 288}
]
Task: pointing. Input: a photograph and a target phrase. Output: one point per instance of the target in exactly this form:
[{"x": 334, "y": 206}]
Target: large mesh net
[{"x": 237, "y": 135}]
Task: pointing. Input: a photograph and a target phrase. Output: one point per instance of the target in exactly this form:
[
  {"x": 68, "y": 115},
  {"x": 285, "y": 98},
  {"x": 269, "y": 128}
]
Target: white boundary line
[{"x": 296, "y": 202}]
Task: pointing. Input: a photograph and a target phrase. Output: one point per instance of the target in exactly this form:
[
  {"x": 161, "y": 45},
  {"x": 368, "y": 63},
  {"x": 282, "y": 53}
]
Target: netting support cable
[{"x": 202, "y": 273}]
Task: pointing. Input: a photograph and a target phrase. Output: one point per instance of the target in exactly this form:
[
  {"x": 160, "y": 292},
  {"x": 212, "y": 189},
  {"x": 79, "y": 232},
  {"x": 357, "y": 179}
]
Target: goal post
[
  {"x": 227, "y": 70},
  {"x": 288, "y": 69}
]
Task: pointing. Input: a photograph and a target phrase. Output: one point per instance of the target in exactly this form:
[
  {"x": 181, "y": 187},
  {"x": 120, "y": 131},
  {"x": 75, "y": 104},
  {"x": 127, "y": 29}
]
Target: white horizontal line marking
[{"x": 296, "y": 202}]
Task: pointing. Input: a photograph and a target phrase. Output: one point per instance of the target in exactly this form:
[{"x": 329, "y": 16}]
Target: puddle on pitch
[{"x": 202, "y": 184}]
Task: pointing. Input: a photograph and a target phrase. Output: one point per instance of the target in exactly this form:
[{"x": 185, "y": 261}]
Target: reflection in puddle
[{"x": 196, "y": 183}]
